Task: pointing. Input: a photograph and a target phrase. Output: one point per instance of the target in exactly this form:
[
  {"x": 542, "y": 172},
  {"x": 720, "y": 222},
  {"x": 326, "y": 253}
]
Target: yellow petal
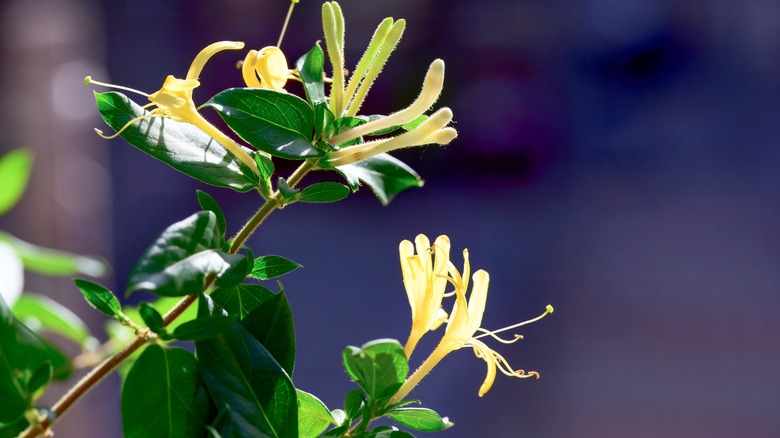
[{"x": 207, "y": 53}]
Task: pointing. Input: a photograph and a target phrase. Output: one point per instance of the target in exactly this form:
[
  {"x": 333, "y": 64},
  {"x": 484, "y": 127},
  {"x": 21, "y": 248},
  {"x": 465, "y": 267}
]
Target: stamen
[
  {"x": 548, "y": 309},
  {"x": 116, "y": 134},
  {"x": 286, "y": 21},
  {"x": 88, "y": 80},
  {"x": 498, "y": 338}
]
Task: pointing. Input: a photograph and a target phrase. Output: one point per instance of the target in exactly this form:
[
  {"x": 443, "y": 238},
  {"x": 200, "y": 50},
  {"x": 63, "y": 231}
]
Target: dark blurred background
[{"x": 617, "y": 159}]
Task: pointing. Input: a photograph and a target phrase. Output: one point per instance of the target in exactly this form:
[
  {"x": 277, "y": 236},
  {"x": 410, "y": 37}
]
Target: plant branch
[{"x": 109, "y": 364}]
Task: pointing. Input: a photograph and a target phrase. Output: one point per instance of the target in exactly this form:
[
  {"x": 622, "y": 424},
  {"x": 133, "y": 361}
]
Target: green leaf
[
  {"x": 100, "y": 298},
  {"x": 62, "y": 368},
  {"x": 203, "y": 327},
  {"x": 385, "y": 432},
  {"x": 421, "y": 419},
  {"x": 34, "y": 309},
  {"x": 324, "y": 121},
  {"x": 272, "y": 266},
  {"x": 242, "y": 299},
  {"x": 181, "y": 145},
  {"x": 153, "y": 319},
  {"x": 13, "y": 430},
  {"x": 265, "y": 167},
  {"x": 278, "y": 123},
  {"x": 25, "y": 367},
  {"x": 241, "y": 373},
  {"x": 209, "y": 204},
  {"x": 288, "y": 193},
  {"x": 387, "y": 176},
  {"x": 53, "y": 262},
  {"x": 179, "y": 261},
  {"x": 159, "y": 394},
  {"x": 354, "y": 402},
  {"x": 379, "y": 367},
  {"x": 14, "y": 172},
  {"x": 311, "y": 66},
  {"x": 313, "y": 416},
  {"x": 271, "y": 323},
  {"x": 324, "y": 192}
]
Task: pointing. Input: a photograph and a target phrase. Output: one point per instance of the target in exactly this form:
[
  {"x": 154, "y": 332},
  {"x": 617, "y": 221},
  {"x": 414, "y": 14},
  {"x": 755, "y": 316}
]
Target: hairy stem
[{"x": 109, "y": 364}]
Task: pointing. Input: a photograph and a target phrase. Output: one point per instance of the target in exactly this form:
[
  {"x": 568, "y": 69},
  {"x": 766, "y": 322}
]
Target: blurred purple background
[{"x": 618, "y": 159}]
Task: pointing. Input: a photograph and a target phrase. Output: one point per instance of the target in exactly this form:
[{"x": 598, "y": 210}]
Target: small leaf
[
  {"x": 265, "y": 167},
  {"x": 179, "y": 261},
  {"x": 202, "y": 328},
  {"x": 182, "y": 146},
  {"x": 288, "y": 193},
  {"x": 272, "y": 266},
  {"x": 14, "y": 172},
  {"x": 353, "y": 403},
  {"x": 271, "y": 323},
  {"x": 310, "y": 66},
  {"x": 159, "y": 394},
  {"x": 278, "y": 123},
  {"x": 53, "y": 262},
  {"x": 153, "y": 319},
  {"x": 421, "y": 419},
  {"x": 385, "y": 175},
  {"x": 242, "y": 299},
  {"x": 313, "y": 416},
  {"x": 239, "y": 372},
  {"x": 379, "y": 367},
  {"x": 209, "y": 204},
  {"x": 100, "y": 298},
  {"x": 25, "y": 367},
  {"x": 324, "y": 121},
  {"x": 52, "y": 316},
  {"x": 324, "y": 192}
]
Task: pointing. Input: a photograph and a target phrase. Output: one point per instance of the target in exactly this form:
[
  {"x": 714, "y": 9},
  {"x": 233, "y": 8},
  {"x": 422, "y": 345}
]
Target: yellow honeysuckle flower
[
  {"x": 463, "y": 323},
  {"x": 266, "y": 68},
  {"x": 347, "y": 101},
  {"x": 174, "y": 101},
  {"x": 424, "y": 276}
]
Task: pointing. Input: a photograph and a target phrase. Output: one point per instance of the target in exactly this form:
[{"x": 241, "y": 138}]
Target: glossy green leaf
[
  {"x": 385, "y": 175},
  {"x": 25, "y": 367},
  {"x": 53, "y": 262},
  {"x": 62, "y": 367},
  {"x": 208, "y": 203},
  {"x": 324, "y": 121},
  {"x": 421, "y": 419},
  {"x": 272, "y": 266},
  {"x": 100, "y": 298},
  {"x": 379, "y": 367},
  {"x": 324, "y": 192},
  {"x": 242, "y": 299},
  {"x": 288, "y": 193},
  {"x": 310, "y": 66},
  {"x": 203, "y": 328},
  {"x": 271, "y": 323},
  {"x": 14, "y": 172},
  {"x": 153, "y": 319},
  {"x": 33, "y": 309},
  {"x": 313, "y": 416},
  {"x": 13, "y": 430},
  {"x": 179, "y": 261},
  {"x": 241, "y": 373},
  {"x": 180, "y": 145},
  {"x": 275, "y": 122},
  {"x": 159, "y": 394},
  {"x": 354, "y": 402},
  {"x": 385, "y": 432}
]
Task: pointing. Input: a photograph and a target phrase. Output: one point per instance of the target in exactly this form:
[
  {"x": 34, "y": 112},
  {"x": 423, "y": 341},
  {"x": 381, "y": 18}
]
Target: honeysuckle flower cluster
[
  {"x": 425, "y": 276},
  {"x": 346, "y": 100}
]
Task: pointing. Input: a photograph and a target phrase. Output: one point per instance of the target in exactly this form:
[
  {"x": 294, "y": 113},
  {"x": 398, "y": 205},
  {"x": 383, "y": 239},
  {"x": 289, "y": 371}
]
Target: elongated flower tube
[
  {"x": 463, "y": 323},
  {"x": 266, "y": 68},
  {"x": 174, "y": 101},
  {"x": 424, "y": 276}
]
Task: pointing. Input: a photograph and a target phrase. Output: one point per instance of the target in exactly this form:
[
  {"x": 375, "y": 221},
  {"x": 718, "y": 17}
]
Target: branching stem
[{"x": 109, "y": 364}]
